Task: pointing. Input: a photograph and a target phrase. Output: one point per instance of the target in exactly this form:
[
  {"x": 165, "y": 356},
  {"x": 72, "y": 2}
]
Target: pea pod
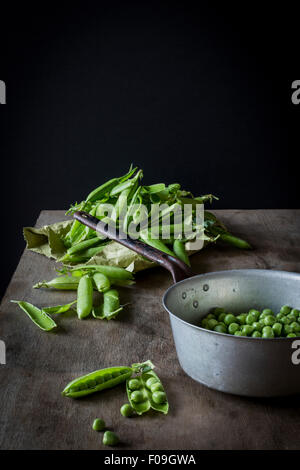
[
  {"x": 82, "y": 256},
  {"x": 112, "y": 272},
  {"x": 83, "y": 245},
  {"x": 179, "y": 250},
  {"x": 101, "y": 282},
  {"x": 60, "y": 282},
  {"x": 110, "y": 307},
  {"x": 97, "y": 381},
  {"x": 84, "y": 297},
  {"x": 158, "y": 244},
  {"x": 58, "y": 308},
  {"x": 129, "y": 183},
  {"x": 107, "y": 187},
  {"x": 40, "y": 318},
  {"x": 142, "y": 398}
]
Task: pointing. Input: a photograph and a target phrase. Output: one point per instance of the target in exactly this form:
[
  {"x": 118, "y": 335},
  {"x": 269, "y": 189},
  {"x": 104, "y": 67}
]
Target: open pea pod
[
  {"x": 140, "y": 394},
  {"x": 97, "y": 381},
  {"x": 156, "y": 396},
  {"x": 111, "y": 306},
  {"x": 138, "y": 397},
  {"x": 59, "y": 308},
  {"x": 39, "y": 317}
]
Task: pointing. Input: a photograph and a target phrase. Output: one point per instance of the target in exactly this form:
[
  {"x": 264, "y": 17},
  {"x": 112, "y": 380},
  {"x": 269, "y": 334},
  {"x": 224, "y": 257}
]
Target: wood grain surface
[{"x": 33, "y": 415}]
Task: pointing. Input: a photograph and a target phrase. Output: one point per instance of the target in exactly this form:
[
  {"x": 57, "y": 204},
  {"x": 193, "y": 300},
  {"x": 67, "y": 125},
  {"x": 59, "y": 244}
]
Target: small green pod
[
  {"x": 40, "y": 318},
  {"x": 97, "y": 381},
  {"x": 83, "y": 245},
  {"x": 59, "y": 308},
  {"x": 158, "y": 244},
  {"x": 84, "y": 297},
  {"x": 101, "y": 282},
  {"x": 180, "y": 251},
  {"x": 60, "y": 282},
  {"x": 112, "y": 272},
  {"x": 110, "y": 307}
]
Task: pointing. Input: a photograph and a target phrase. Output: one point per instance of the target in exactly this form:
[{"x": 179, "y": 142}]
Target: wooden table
[{"x": 33, "y": 415}]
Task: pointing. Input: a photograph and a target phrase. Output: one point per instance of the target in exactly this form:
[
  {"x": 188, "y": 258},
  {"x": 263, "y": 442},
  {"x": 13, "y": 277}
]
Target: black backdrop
[{"x": 192, "y": 94}]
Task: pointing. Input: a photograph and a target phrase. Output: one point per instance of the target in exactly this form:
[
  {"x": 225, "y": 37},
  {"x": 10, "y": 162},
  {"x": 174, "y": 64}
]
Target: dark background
[{"x": 192, "y": 94}]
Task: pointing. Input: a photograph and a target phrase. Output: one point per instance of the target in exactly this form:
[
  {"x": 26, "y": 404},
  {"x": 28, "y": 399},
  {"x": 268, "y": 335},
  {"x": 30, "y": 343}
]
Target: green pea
[
  {"x": 295, "y": 312},
  {"x": 221, "y": 317},
  {"x": 137, "y": 396},
  {"x": 156, "y": 387},
  {"x": 134, "y": 384},
  {"x": 267, "y": 311},
  {"x": 291, "y": 335},
  {"x": 210, "y": 316},
  {"x": 204, "y": 323},
  {"x": 115, "y": 374},
  {"x": 99, "y": 424},
  {"x": 220, "y": 328},
  {"x": 233, "y": 327},
  {"x": 229, "y": 319},
  {"x": 292, "y": 317},
  {"x": 211, "y": 323},
  {"x": 285, "y": 309},
  {"x": 285, "y": 320},
  {"x": 107, "y": 377},
  {"x": 218, "y": 311},
  {"x": 267, "y": 332},
  {"x": 238, "y": 333},
  {"x": 91, "y": 383},
  {"x": 262, "y": 316},
  {"x": 159, "y": 397},
  {"x": 295, "y": 327},
  {"x": 242, "y": 318},
  {"x": 287, "y": 329},
  {"x": 110, "y": 438},
  {"x": 258, "y": 326},
  {"x": 250, "y": 319},
  {"x": 247, "y": 330},
  {"x": 254, "y": 312},
  {"x": 126, "y": 410},
  {"x": 99, "y": 380},
  {"x": 256, "y": 334},
  {"x": 269, "y": 320},
  {"x": 151, "y": 381},
  {"x": 279, "y": 316},
  {"x": 277, "y": 328}
]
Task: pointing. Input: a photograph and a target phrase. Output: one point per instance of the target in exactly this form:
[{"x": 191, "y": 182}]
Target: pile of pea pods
[
  {"x": 255, "y": 324},
  {"x": 127, "y": 195},
  {"x": 85, "y": 280}
]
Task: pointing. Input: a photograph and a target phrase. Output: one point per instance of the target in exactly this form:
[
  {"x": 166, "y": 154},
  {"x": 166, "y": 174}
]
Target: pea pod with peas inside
[
  {"x": 145, "y": 392},
  {"x": 102, "y": 379},
  {"x": 97, "y": 381}
]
